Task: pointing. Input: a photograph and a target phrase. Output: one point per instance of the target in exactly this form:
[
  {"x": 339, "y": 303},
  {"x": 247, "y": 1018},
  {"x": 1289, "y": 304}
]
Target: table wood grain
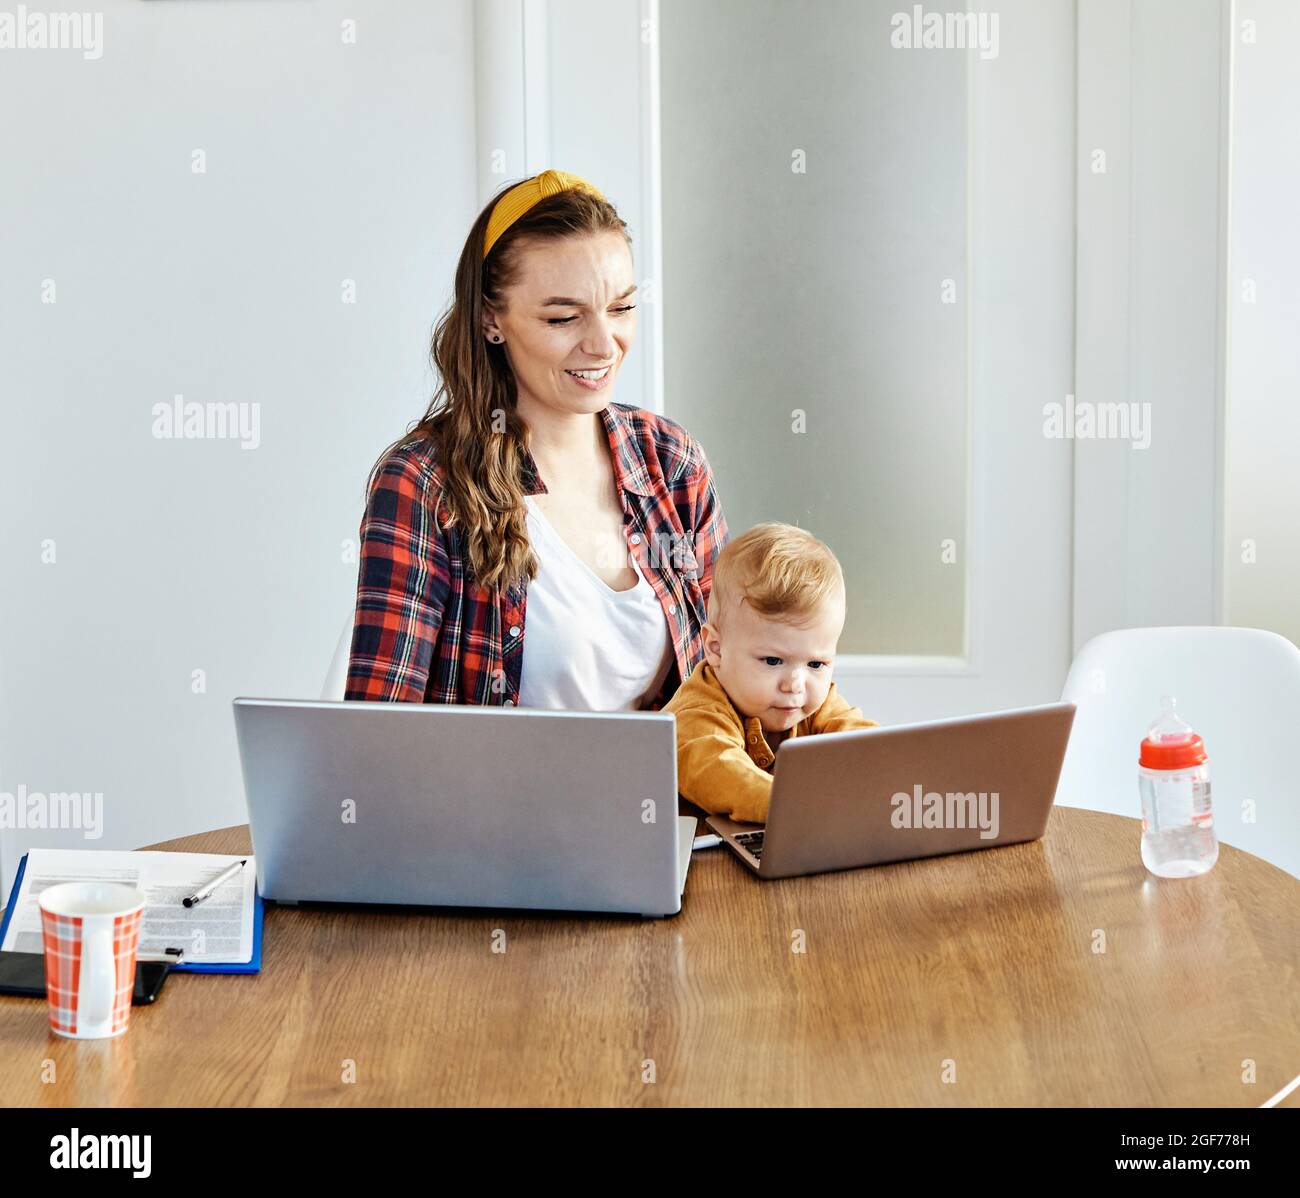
[{"x": 1057, "y": 973}]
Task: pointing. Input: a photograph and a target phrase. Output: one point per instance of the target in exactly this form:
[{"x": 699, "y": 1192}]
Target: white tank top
[{"x": 588, "y": 647}]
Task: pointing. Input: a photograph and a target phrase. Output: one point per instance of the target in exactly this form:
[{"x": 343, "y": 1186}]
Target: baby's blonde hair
[{"x": 781, "y": 571}]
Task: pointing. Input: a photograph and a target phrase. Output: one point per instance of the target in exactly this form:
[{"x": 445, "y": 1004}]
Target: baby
[{"x": 775, "y": 617}]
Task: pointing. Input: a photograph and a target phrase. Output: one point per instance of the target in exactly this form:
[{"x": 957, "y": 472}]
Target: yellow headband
[{"x": 511, "y": 206}]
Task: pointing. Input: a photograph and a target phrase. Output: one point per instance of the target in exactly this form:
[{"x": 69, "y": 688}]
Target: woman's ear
[{"x": 490, "y": 330}]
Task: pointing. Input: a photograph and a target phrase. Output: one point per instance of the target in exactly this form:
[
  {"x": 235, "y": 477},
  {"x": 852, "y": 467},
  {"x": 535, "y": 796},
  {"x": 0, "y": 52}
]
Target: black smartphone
[{"x": 24, "y": 973}]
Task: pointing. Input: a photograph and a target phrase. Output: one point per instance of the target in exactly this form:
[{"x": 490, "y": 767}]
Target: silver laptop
[
  {"x": 847, "y": 799},
  {"x": 442, "y": 805}
]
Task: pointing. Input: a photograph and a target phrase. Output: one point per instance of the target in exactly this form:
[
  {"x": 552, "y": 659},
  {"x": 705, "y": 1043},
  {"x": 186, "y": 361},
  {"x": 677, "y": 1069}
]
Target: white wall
[
  {"x": 1189, "y": 256},
  {"x": 1262, "y": 552},
  {"x": 1151, "y": 251},
  {"x": 325, "y": 162}
]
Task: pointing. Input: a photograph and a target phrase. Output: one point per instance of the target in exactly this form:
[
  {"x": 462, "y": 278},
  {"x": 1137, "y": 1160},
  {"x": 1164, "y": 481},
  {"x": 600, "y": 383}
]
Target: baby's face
[{"x": 772, "y": 669}]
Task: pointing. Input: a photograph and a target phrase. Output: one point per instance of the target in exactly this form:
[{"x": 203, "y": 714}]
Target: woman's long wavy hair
[{"x": 472, "y": 420}]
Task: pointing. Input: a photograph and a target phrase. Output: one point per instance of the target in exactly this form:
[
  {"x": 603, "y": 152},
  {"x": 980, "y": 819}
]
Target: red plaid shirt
[{"x": 426, "y": 633}]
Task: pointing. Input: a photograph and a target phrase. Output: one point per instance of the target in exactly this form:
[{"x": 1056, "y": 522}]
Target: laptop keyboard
[{"x": 751, "y": 842}]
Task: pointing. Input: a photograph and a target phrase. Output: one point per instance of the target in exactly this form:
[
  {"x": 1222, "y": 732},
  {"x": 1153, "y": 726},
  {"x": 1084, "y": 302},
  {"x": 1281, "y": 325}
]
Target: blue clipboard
[{"x": 251, "y": 966}]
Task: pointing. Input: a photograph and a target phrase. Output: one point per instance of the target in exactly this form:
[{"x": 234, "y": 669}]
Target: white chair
[
  {"x": 1238, "y": 687},
  {"x": 336, "y": 681}
]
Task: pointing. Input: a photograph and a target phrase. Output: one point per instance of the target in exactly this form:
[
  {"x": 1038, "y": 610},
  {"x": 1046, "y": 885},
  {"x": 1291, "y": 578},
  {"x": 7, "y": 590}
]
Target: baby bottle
[{"x": 1178, "y": 839}]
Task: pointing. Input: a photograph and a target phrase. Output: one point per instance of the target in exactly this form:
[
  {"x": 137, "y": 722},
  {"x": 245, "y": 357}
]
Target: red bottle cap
[
  {"x": 1172, "y": 756},
  {"x": 1170, "y": 743}
]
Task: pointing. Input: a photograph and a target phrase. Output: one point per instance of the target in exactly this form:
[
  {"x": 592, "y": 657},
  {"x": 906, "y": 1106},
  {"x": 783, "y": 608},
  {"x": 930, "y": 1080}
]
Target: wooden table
[{"x": 971, "y": 980}]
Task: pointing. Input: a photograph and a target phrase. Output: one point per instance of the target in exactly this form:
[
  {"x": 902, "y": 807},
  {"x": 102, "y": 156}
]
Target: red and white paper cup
[{"x": 90, "y": 931}]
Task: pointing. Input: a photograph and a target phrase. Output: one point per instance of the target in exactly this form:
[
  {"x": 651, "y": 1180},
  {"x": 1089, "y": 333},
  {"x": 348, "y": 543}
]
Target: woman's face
[{"x": 573, "y": 309}]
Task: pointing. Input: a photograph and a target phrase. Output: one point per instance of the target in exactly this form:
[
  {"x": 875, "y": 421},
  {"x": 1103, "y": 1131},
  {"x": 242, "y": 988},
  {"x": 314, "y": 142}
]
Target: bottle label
[{"x": 1202, "y": 814}]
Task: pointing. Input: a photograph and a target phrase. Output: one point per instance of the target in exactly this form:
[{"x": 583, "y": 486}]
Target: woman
[{"x": 525, "y": 491}]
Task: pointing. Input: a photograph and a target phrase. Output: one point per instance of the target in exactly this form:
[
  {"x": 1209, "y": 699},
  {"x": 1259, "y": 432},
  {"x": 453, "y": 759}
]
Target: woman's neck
[{"x": 563, "y": 444}]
